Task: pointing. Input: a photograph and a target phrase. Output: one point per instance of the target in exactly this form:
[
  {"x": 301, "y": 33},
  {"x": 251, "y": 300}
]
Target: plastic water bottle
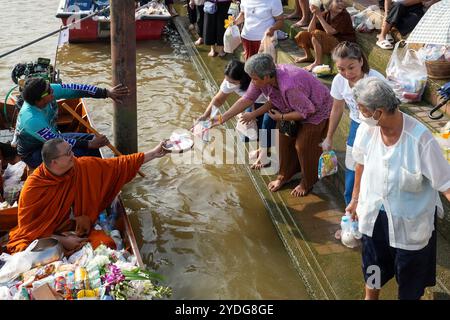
[
  {"x": 345, "y": 224},
  {"x": 355, "y": 231},
  {"x": 115, "y": 235},
  {"x": 103, "y": 222}
]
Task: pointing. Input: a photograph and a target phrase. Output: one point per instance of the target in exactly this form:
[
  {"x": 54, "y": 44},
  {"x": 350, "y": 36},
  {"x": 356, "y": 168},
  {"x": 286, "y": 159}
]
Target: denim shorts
[{"x": 414, "y": 270}]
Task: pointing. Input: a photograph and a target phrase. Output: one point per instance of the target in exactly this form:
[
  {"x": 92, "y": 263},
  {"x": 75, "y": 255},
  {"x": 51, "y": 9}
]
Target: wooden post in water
[{"x": 123, "y": 55}]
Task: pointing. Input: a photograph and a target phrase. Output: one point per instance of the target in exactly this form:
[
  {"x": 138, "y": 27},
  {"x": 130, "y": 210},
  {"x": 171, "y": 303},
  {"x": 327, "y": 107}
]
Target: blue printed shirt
[{"x": 36, "y": 125}]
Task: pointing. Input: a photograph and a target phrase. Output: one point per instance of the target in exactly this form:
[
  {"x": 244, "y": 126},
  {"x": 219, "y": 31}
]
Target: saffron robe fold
[{"x": 46, "y": 199}]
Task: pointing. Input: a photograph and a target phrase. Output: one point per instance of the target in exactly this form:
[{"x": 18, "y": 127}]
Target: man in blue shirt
[{"x": 36, "y": 122}]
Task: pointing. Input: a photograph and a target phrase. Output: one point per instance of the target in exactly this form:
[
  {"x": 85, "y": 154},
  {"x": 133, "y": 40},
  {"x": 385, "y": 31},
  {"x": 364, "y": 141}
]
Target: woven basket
[{"x": 438, "y": 69}]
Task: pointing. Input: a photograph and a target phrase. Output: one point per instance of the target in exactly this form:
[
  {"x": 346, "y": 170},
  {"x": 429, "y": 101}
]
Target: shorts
[{"x": 414, "y": 270}]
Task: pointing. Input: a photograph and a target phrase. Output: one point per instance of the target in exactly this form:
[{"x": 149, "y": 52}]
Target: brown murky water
[{"x": 202, "y": 226}]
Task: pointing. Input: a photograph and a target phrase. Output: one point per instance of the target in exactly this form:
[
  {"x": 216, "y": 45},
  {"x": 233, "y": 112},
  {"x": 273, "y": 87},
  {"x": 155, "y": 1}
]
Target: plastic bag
[
  {"x": 406, "y": 73},
  {"x": 231, "y": 39},
  {"x": 368, "y": 19},
  {"x": 250, "y": 130},
  {"x": 268, "y": 46},
  {"x": 15, "y": 264},
  {"x": 328, "y": 164},
  {"x": 202, "y": 128}
]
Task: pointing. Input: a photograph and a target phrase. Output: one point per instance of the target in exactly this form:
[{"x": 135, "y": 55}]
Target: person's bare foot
[
  {"x": 222, "y": 54},
  {"x": 310, "y": 67},
  {"x": 261, "y": 162},
  {"x": 301, "y": 23},
  {"x": 293, "y": 15},
  {"x": 303, "y": 59},
  {"x": 199, "y": 41},
  {"x": 300, "y": 191},
  {"x": 212, "y": 53},
  {"x": 275, "y": 185}
]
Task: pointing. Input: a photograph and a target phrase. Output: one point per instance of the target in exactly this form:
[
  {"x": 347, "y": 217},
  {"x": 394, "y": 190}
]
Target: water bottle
[
  {"x": 355, "y": 231},
  {"x": 345, "y": 224},
  {"x": 115, "y": 235},
  {"x": 103, "y": 222}
]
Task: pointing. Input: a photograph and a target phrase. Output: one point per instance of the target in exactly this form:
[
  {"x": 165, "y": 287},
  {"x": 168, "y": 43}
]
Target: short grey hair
[
  {"x": 374, "y": 93},
  {"x": 261, "y": 65},
  {"x": 50, "y": 150}
]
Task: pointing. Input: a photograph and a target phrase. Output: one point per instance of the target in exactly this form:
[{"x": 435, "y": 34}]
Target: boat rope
[{"x": 54, "y": 32}]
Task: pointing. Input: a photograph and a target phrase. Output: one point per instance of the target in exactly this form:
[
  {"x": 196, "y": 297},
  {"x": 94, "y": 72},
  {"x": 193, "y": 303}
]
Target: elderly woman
[
  {"x": 325, "y": 31},
  {"x": 399, "y": 173},
  {"x": 294, "y": 95},
  {"x": 260, "y": 17}
]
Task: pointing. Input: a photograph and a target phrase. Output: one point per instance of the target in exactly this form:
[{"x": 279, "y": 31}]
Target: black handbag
[{"x": 289, "y": 128}]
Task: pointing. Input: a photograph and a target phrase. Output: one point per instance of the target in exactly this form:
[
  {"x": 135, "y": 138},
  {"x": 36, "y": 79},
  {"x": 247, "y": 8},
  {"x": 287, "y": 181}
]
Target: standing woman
[
  {"x": 214, "y": 26},
  {"x": 352, "y": 66},
  {"x": 197, "y": 7},
  {"x": 260, "y": 17},
  {"x": 400, "y": 169}
]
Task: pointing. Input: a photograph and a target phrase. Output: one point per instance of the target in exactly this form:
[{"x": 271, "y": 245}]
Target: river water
[{"x": 201, "y": 226}]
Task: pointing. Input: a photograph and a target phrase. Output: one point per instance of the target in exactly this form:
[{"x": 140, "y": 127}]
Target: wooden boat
[
  {"x": 67, "y": 123},
  {"x": 148, "y": 26}
]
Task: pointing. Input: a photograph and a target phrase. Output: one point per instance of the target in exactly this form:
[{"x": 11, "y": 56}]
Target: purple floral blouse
[{"x": 298, "y": 91}]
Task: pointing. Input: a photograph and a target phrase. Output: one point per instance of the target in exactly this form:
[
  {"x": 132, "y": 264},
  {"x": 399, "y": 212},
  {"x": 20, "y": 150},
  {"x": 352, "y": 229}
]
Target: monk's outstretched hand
[{"x": 83, "y": 225}]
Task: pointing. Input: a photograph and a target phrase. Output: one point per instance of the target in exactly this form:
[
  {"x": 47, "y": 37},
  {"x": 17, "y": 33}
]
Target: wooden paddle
[{"x": 88, "y": 126}]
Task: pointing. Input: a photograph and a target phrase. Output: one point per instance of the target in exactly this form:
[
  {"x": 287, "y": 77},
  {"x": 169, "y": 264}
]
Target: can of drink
[{"x": 60, "y": 284}]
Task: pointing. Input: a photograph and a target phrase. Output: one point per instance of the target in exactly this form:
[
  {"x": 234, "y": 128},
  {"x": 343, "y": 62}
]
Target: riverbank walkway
[{"x": 307, "y": 225}]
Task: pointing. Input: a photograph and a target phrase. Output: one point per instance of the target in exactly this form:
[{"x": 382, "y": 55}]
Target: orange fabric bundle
[{"x": 46, "y": 199}]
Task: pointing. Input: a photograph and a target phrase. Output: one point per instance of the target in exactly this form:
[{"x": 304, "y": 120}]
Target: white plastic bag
[
  {"x": 250, "y": 130},
  {"x": 16, "y": 264},
  {"x": 231, "y": 39},
  {"x": 406, "y": 73},
  {"x": 368, "y": 19},
  {"x": 268, "y": 46}
]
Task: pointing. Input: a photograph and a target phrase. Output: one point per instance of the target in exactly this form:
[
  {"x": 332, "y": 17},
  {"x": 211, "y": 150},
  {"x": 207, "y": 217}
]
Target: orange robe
[{"x": 46, "y": 199}]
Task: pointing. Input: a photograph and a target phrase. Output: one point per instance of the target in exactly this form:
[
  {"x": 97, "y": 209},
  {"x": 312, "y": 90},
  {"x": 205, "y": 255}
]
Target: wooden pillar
[{"x": 123, "y": 56}]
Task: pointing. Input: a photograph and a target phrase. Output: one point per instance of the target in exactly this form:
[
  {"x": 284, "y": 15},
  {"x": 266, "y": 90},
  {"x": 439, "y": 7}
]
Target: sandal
[
  {"x": 390, "y": 38},
  {"x": 385, "y": 44}
]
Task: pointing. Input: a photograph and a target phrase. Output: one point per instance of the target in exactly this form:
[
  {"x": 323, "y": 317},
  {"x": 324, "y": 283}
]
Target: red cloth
[
  {"x": 46, "y": 199},
  {"x": 250, "y": 48}
]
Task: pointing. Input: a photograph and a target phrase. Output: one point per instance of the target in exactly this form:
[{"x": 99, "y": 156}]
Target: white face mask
[{"x": 370, "y": 121}]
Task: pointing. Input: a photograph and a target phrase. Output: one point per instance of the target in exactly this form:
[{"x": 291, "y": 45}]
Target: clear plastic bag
[
  {"x": 328, "y": 164},
  {"x": 231, "y": 39},
  {"x": 268, "y": 46},
  {"x": 406, "y": 73},
  {"x": 250, "y": 130}
]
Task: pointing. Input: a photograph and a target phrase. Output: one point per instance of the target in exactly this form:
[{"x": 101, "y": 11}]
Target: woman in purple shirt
[{"x": 294, "y": 94}]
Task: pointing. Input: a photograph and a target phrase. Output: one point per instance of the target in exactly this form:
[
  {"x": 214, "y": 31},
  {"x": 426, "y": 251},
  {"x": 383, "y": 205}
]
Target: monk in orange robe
[{"x": 65, "y": 191}]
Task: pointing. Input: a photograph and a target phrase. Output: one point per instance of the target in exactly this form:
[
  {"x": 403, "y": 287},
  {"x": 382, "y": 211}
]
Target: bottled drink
[
  {"x": 103, "y": 222},
  {"x": 345, "y": 224}
]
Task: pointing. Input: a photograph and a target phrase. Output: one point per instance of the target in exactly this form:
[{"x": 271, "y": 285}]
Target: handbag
[
  {"x": 210, "y": 7},
  {"x": 289, "y": 128}
]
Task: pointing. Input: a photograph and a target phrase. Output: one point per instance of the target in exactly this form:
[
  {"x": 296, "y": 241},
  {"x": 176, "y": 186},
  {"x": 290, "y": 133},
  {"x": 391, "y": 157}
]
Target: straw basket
[{"x": 438, "y": 69}]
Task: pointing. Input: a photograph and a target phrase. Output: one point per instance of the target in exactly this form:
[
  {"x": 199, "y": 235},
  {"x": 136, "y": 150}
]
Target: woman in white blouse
[{"x": 400, "y": 169}]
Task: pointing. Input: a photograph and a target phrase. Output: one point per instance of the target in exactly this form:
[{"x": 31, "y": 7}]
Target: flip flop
[
  {"x": 390, "y": 38},
  {"x": 385, "y": 44}
]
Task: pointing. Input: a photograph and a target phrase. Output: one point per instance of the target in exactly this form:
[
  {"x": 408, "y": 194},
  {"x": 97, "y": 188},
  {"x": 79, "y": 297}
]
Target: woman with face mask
[
  {"x": 352, "y": 66},
  {"x": 400, "y": 169},
  {"x": 237, "y": 81}
]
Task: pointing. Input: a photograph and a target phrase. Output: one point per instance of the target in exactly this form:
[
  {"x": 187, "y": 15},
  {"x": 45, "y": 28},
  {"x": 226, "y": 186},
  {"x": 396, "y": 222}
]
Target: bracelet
[
  {"x": 355, "y": 199},
  {"x": 282, "y": 117},
  {"x": 220, "y": 119}
]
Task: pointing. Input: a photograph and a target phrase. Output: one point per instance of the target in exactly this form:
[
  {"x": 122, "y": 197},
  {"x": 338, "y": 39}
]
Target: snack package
[{"x": 328, "y": 164}]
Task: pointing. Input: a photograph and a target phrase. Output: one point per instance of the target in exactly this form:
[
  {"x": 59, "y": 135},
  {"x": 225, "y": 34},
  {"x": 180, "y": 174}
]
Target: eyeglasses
[
  {"x": 67, "y": 153},
  {"x": 47, "y": 92}
]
